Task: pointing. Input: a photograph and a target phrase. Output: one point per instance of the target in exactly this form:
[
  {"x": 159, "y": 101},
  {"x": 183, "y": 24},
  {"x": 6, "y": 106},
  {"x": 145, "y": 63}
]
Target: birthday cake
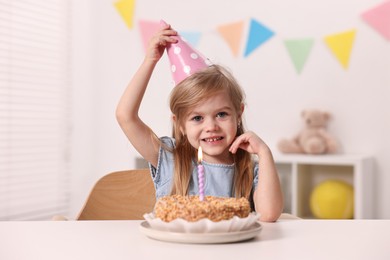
[{"x": 191, "y": 208}]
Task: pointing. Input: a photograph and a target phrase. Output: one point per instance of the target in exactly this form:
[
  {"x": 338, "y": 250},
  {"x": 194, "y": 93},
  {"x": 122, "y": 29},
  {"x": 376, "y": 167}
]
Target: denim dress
[{"x": 218, "y": 178}]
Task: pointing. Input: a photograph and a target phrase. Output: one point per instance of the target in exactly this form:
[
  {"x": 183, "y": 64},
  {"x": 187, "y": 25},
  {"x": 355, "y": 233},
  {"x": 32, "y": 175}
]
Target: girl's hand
[
  {"x": 249, "y": 142},
  {"x": 159, "y": 42}
]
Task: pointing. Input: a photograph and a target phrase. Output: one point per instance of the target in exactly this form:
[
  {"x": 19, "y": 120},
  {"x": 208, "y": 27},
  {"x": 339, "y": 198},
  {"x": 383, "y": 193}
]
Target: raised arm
[
  {"x": 268, "y": 196},
  {"x": 139, "y": 134}
]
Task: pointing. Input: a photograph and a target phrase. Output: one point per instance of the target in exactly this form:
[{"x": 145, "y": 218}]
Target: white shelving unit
[{"x": 299, "y": 174}]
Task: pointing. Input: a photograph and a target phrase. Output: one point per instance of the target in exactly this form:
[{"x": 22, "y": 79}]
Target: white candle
[{"x": 200, "y": 174}]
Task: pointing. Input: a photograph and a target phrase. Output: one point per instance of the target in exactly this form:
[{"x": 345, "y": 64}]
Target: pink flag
[{"x": 379, "y": 19}]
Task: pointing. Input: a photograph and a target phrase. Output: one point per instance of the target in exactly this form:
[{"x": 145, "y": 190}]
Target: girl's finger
[
  {"x": 169, "y": 32},
  {"x": 234, "y": 146}
]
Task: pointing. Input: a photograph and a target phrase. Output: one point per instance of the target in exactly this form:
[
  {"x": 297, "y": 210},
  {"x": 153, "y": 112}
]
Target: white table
[{"x": 116, "y": 240}]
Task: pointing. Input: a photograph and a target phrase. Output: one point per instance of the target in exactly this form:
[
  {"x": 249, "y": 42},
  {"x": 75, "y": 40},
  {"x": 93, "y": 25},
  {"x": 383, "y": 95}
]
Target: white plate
[
  {"x": 200, "y": 238},
  {"x": 203, "y": 225}
]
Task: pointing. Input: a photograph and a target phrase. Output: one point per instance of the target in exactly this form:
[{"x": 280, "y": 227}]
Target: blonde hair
[{"x": 186, "y": 95}]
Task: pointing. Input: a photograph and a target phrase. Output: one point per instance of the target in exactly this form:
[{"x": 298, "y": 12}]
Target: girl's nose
[{"x": 211, "y": 125}]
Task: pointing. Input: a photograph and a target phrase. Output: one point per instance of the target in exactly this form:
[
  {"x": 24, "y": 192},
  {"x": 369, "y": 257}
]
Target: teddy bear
[{"x": 314, "y": 138}]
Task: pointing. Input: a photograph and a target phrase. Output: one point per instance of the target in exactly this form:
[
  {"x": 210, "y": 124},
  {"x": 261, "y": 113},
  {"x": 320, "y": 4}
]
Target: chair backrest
[{"x": 120, "y": 195}]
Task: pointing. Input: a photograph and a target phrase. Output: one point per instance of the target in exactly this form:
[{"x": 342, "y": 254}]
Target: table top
[{"x": 285, "y": 239}]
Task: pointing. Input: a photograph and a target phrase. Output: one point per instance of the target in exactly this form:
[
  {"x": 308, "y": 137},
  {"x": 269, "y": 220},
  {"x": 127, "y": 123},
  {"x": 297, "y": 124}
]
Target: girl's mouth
[{"x": 213, "y": 139}]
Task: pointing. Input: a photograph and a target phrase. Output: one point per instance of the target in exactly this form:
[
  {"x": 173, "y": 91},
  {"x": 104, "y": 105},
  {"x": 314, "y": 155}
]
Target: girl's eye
[
  {"x": 222, "y": 114},
  {"x": 196, "y": 118}
]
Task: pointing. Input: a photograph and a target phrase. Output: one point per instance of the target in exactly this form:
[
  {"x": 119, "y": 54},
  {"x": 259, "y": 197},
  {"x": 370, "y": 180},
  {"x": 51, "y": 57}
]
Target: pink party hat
[{"x": 184, "y": 59}]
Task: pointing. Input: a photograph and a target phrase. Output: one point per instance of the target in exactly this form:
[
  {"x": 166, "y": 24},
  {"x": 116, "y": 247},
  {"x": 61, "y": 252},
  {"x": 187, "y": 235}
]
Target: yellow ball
[{"x": 332, "y": 199}]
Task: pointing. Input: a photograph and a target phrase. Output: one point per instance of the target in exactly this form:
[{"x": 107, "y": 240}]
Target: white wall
[{"x": 107, "y": 54}]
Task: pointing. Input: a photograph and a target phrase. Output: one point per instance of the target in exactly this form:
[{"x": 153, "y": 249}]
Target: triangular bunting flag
[
  {"x": 258, "y": 34},
  {"x": 191, "y": 37},
  {"x": 126, "y": 10},
  {"x": 232, "y": 33},
  {"x": 379, "y": 19},
  {"x": 299, "y": 51},
  {"x": 341, "y": 45},
  {"x": 147, "y": 30}
]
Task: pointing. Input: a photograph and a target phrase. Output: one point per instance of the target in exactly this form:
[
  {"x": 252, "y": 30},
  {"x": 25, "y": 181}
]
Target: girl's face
[{"x": 213, "y": 125}]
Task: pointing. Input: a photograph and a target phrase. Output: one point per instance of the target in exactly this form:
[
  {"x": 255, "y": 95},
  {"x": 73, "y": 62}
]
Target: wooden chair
[{"x": 120, "y": 195}]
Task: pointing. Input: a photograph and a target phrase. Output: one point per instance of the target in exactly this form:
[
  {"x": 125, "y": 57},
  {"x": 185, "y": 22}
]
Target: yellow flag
[
  {"x": 341, "y": 45},
  {"x": 126, "y": 10}
]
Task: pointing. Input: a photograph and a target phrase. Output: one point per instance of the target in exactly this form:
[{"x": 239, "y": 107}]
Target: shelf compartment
[
  {"x": 309, "y": 176},
  {"x": 299, "y": 174}
]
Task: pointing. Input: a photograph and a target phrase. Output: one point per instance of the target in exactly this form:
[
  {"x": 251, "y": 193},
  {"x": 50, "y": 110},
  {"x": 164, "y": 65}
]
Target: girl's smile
[{"x": 212, "y": 139}]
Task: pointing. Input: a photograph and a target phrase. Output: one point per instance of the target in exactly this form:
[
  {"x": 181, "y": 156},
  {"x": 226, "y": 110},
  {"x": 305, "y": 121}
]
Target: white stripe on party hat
[{"x": 184, "y": 59}]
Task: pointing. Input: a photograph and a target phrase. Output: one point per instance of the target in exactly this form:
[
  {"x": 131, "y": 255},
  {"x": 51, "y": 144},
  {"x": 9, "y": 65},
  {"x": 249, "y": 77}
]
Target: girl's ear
[{"x": 242, "y": 111}]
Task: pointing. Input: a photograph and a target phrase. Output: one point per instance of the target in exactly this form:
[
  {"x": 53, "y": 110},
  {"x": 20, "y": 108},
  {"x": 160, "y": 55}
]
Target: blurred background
[{"x": 65, "y": 63}]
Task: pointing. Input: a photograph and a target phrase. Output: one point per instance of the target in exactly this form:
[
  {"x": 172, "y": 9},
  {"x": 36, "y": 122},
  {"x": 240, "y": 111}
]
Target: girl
[{"x": 207, "y": 110}]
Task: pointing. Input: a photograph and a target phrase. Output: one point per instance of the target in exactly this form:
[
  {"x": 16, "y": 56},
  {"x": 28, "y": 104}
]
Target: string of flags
[{"x": 340, "y": 44}]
